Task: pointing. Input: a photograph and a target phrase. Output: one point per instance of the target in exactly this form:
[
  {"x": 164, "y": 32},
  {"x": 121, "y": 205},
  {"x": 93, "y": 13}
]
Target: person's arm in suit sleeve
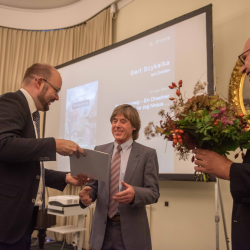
[
  {"x": 240, "y": 182},
  {"x": 92, "y": 193},
  {"x": 55, "y": 179},
  {"x": 149, "y": 193},
  {"x": 13, "y": 120}
]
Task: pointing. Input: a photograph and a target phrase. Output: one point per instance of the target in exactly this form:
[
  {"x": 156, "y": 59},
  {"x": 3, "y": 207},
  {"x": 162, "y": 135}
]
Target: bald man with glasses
[
  {"x": 22, "y": 153},
  {"x": 237, "y": 173}
]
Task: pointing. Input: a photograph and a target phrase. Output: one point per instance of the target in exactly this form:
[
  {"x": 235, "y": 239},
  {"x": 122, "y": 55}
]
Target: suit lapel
[
  {"x": 30, "y": 129},
  {"x": 133, "y": 161},
  {"x": 109, "y": 150}
]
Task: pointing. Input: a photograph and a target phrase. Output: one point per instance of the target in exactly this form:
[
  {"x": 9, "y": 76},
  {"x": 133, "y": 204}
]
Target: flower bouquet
[{"x": 203, "y": 121}]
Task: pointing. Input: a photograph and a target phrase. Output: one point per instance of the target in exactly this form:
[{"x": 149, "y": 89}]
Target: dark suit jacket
[
  {"x": 20, "y": 156},
  {"x": 141, "y": 173},
  {"x": 240, "y": 190}
]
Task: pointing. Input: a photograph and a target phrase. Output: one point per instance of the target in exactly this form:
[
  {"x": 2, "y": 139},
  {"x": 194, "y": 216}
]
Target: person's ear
[{"x": 39, "y": 82}]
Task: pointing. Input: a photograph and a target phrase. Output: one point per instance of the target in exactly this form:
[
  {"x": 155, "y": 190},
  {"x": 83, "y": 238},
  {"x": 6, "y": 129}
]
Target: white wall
[{"x": 188, "y": 222}]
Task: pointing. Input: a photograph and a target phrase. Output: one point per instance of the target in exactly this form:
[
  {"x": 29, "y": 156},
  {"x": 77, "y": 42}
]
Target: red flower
[
  {"x": 180, "y": 83},
  {"x": 174, "y": 84},
  {"x": 171, "y": 87},
  {"x": 192, "y": 159},
  {"x": 178, "y": 92},
  {"x": 242, "y": 155}
]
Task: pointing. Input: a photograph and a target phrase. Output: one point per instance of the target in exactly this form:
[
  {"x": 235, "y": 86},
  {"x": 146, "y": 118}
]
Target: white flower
[
  {"x": 148, "y": 131},
  {"x": 161, "y": 112},
  {"x": 178, "y": 111}
]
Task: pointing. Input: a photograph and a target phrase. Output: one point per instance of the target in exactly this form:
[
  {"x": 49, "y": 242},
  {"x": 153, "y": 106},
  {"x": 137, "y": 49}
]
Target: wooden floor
[{"x": 53, "y": 246}]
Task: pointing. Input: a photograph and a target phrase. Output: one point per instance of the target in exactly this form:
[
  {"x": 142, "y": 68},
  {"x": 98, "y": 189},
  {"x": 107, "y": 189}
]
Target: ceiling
[
  {"x": 37, "y": 4},
  {"x": 52, "y": 14}
]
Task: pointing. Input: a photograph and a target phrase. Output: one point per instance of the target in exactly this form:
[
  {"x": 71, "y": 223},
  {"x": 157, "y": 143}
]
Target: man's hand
[
  {"x": 84, "y": 196},
  {"x": 68, "y": 148},
  {"x": 79, "y": 180},
  {"x": 125, "y": 196},
  {"x": 212, "y": 163}
]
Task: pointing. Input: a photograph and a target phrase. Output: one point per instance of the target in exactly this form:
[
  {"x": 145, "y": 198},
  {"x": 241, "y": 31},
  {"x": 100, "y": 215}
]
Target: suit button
[
  {"x": 38, "y": 177},
  {"x": 33, "y": 200}
]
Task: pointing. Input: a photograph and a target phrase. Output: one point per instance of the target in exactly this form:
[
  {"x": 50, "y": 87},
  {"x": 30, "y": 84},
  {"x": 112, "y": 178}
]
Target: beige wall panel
[{"x": 188, "y": 222}]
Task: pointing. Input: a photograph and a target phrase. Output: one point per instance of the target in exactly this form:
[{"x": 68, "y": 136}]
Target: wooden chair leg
[{"x": 41, "y": 238}]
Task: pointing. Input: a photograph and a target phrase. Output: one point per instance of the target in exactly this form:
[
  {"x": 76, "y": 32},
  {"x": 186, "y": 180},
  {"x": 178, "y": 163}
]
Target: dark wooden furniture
[{"x": 43, "y": 222}]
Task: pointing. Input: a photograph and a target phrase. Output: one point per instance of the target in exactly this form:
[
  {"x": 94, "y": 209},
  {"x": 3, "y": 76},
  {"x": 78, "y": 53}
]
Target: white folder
[{"x": 94, "y": 164}]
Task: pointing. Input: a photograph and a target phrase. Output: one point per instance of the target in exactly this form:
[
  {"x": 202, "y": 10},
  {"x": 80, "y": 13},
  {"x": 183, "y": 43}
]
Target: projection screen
[{"x": 136, "y": 71}]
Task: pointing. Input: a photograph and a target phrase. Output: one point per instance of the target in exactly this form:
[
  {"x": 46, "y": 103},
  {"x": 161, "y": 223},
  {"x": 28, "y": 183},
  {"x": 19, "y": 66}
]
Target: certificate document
[{"x": 94, "y": 164}]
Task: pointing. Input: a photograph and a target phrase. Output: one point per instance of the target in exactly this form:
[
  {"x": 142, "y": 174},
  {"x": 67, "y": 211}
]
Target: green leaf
[
  {"x": 215, "y": 111},
  {"x": 188, "y": 127},
  {"x": 216, "y": 139},
  {"x": 245, "y": 136},
  {"x": 236, "y": 121},
  {"x": 207, "y": 138},
  {"x": 207, "y": 118},
  {"x": 245, "y": 145},
  {"x": 204, "y": 113},
  {"x": 209, "y": 127}
]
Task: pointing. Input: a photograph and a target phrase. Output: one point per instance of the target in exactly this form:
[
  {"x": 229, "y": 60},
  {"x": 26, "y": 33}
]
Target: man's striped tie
[
  {"x": 114, "y": 182},
  {"x": 36, "y": 119}
]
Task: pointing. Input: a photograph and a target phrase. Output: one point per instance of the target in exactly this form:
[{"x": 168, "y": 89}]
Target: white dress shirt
[
  {"x": 125, "y": 153},
  {"x": 32, "y": 107}
]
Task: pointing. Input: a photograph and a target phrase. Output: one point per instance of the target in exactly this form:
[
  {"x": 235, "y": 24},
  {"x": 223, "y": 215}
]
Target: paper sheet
[{"x": 94, "y": 164}]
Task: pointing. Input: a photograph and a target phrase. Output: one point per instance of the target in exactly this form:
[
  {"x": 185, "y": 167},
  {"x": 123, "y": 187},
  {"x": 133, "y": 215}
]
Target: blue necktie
[{"x": 36, "y": 119}]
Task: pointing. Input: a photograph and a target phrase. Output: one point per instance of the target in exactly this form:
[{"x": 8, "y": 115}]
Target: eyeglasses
[
  {"x": 241, "y": 59},
  {"x": 53, "y": 86}
]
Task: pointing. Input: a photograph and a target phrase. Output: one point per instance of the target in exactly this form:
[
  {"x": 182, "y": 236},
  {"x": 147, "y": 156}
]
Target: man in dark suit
[
  {"x": 239, "y": 176},
  {"x": 120, "y": 220},
  {"x": 22, "y": 154}
]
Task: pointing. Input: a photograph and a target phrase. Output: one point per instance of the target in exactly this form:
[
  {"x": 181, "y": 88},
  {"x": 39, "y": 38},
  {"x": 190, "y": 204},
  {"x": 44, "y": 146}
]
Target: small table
[{"x": 69, "y": 211}]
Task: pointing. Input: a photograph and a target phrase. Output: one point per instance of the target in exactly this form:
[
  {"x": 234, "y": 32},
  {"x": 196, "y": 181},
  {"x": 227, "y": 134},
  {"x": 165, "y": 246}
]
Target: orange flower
[
  {"x": 171, "y": 98},
  {"x": 241, "y": 115},
  {"x": 178, "y": 92},
  {"x": 171, "y": 87}
]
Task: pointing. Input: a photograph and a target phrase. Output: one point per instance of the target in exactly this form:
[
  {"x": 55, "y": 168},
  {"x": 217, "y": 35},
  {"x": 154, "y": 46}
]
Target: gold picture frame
[{"x": 236, "y": 88}]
